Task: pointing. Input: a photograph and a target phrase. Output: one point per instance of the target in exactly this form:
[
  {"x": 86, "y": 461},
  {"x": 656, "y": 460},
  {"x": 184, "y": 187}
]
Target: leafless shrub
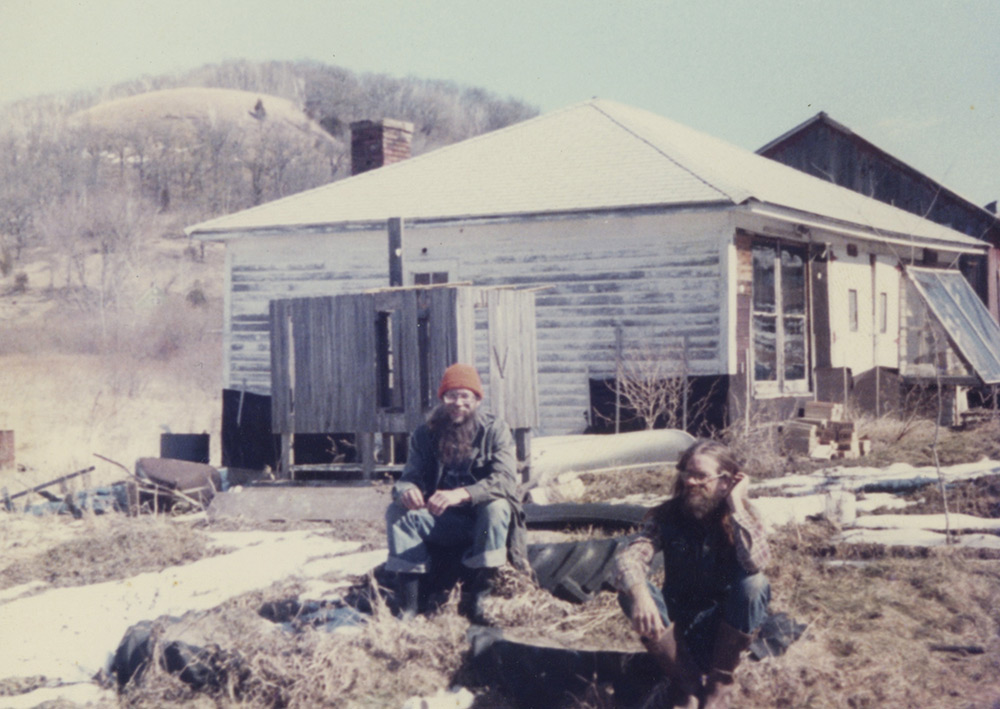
[
  {"x": 756, "y": 442},
  {"x": 652, "y": 385}
]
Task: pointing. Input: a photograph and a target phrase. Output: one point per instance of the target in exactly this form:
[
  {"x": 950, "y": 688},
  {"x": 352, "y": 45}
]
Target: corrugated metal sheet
[
  {"x": 964, "y": 317},
  {"x": 593, "y": 155}
]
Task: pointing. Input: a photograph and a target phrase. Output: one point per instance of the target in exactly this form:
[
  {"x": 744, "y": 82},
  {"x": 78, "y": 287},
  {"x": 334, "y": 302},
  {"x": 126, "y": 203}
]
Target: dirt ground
[{"x": 882, "y": 630}]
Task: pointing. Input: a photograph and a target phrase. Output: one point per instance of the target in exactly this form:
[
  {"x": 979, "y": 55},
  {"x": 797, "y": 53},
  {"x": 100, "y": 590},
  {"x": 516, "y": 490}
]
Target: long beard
[
  {"x": 453, "y": 440},
  {"x": 700, "y": 505}
]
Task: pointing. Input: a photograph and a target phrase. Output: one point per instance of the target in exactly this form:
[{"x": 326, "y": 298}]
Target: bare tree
[{"x": 652, "y": 383}]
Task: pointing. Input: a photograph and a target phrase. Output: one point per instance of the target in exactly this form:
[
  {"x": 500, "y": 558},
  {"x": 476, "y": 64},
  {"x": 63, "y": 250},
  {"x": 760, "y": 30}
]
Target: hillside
[
  {"x": 186, "y": 108},
  {"x": 111, "y": 319}
]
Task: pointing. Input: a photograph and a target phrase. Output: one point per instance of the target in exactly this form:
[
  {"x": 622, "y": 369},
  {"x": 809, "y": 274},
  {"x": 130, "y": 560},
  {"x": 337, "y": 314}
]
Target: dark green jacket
[{"x": 494, "y": 467}]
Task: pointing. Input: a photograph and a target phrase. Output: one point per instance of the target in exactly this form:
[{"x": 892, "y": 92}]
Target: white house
[{"x": 642, "y": 235}]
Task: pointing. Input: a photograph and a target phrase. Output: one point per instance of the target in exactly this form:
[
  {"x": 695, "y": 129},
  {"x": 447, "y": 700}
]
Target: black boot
[
  {"x": 480, "y": 586},
  {"x": 408, "y": 594}
]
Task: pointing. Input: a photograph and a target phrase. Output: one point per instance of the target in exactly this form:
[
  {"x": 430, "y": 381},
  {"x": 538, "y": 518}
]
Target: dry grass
[
  {"x": 980, "y": 497},
  {"x": 871, "y": 627},
  {"x": 870, "y": 630},
  {"x": 380, "y": 665},
  {"x": 605, "y": 486},
  {"x": 909, "y": 441},
  {"x": 108, "y": 548}
]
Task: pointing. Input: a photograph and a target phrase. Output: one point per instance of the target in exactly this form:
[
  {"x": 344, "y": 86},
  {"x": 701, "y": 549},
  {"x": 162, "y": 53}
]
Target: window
[
  {"x": 852, "y": 309},
  {"x": 779, "y": 315},
  {"x": 431, "y": 278},
  {"x": 883, "y": 312},
  {"x": 427, "y": 272},
  {"x": 388, "y": 347}
]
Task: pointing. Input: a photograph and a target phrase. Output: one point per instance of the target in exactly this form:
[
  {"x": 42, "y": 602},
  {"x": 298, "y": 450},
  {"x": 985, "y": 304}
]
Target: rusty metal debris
[{"x": 8, "y": 499}]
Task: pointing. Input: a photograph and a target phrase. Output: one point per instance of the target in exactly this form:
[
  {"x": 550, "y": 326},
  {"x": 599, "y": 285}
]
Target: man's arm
[
  {"x": 409, "y": 489},
  {"x": 631, "y": 568},
  {"x": 752, "y": 550},
  {"x": 501, "y": 460}
]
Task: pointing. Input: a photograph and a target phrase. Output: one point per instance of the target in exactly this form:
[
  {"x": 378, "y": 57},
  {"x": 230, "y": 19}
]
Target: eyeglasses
[
  {"x": 455, "y": 397},
  {"x": 698, "y": 479}
]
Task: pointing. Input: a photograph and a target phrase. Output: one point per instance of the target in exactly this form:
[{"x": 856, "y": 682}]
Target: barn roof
[
  {"x": 596, "y": 155},
  {"x": 823, "y": 119}
]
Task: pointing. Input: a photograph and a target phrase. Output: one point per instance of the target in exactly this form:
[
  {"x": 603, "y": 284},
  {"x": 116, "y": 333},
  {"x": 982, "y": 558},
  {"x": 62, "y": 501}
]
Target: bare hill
[{"x": 190, "y": 109}]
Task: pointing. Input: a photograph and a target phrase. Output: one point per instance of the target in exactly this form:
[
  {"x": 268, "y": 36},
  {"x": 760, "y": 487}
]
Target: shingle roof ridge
[
  {"x": 598, "y": 104},
  {"x": 685, "y": 158},
  {"x": 380, "y": 172}
]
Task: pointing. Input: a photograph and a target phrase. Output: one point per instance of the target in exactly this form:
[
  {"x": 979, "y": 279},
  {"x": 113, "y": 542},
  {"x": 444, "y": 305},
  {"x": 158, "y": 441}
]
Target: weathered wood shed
[
  {"x": 368, "y": 363},
  {"x": 645, "y": 235}
]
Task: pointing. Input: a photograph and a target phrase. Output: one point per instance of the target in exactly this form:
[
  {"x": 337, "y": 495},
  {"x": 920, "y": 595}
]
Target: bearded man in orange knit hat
[{"x": 459, "y": 488}]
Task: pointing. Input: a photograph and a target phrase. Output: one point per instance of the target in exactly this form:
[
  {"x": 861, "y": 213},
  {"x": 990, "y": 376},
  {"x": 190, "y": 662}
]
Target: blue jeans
[
  {"x": 744, "y": 607},
  {"x": 481, "y": 528}
]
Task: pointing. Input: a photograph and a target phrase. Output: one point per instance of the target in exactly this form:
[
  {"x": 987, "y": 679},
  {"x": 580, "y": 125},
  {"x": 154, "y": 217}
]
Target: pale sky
[{"x": 918, "y": 78}]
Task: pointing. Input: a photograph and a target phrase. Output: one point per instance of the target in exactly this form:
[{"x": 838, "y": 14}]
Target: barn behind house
[
  {"x": 641, "y": 238},
  {"x": 827, "y": 149}
]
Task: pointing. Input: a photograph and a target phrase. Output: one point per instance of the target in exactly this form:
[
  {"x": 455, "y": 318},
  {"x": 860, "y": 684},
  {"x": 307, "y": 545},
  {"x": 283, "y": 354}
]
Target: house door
[{"x": 779, "y": 326}]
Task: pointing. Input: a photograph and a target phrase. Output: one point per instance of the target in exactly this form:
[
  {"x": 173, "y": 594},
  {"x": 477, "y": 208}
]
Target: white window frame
[{"x": 780, "y": 386}]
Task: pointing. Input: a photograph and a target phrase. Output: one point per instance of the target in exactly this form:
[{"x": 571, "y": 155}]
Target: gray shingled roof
[{"x": 590, "y": 156}]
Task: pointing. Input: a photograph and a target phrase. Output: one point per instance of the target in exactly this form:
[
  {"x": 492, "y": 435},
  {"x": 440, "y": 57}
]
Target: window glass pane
[
  {"x": 421, "y": 279},
  {"x": 795, "y": 348},
  {"x": 763, "y": 279},
  {"x": 883, "y": 312},
  {"x": 964, "y": 317},
  {"x": 764, "y": 348},
  {"x": 793, "y": 281},
  {"x": 439, "y": 277},
  {"x": 852, "y": 309}
]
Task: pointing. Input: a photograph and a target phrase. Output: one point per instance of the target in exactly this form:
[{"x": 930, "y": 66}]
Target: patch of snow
[
  {"x": 70, "y": 633},
  {"x": 898, "y": 476},
  {"x": 9, "y": 594},
  {"x": 936, "y": 522},
  {"x": 455, "y": 698},
  {"x": 82, "y": 694},
  {"x": 917, "y": 538},
  {"x": 875, "y": 500},
  {"x": 777, "y": 511}
]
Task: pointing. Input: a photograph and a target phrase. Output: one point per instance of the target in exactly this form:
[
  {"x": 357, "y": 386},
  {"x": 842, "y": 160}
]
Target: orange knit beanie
[{"x": 461, "y": 376}]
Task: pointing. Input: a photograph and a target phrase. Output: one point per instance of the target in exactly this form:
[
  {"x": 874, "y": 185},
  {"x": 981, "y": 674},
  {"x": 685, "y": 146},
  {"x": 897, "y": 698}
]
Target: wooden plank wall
[
  {"x": 264, "y": 269},
  {"x": 325, "y": 364},
  {"x": 657, "y": 289},
  {"x": 324, "y": 354},
  {"x": 512, "y": 353},
  {"x": 657, "y": 278}
]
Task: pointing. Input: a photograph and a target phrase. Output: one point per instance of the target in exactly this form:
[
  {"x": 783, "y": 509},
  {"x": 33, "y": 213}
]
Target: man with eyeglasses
[
  {"x": 714, "y": 594},
  {"x": 459, "y": 488}
]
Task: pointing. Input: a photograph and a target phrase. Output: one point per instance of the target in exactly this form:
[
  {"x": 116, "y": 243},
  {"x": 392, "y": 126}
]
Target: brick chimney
[{"x": 378, "y": 143}]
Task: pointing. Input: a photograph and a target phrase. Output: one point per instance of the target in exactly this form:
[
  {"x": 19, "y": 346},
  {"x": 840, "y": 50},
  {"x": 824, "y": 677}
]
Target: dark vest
[{"x": 699, "y": 560}]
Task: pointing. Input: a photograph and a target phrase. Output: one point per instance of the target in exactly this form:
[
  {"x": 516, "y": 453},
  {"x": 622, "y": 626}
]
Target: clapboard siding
[{"x": 655, "y": 279}]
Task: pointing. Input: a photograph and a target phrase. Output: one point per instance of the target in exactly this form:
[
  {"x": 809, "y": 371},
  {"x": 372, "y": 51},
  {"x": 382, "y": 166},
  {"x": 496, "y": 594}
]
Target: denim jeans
[
  {"x": 481, "y": 528},
  {"x": 744, "y": 607}
]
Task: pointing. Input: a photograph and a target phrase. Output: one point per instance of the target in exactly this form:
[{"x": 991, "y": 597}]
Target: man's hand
[
  {"x": 443, "y": 499},
  {"x": 646, "y": 618},
  {"x": 737, "y": 496},
  {"x": 413, "y": 499}
]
